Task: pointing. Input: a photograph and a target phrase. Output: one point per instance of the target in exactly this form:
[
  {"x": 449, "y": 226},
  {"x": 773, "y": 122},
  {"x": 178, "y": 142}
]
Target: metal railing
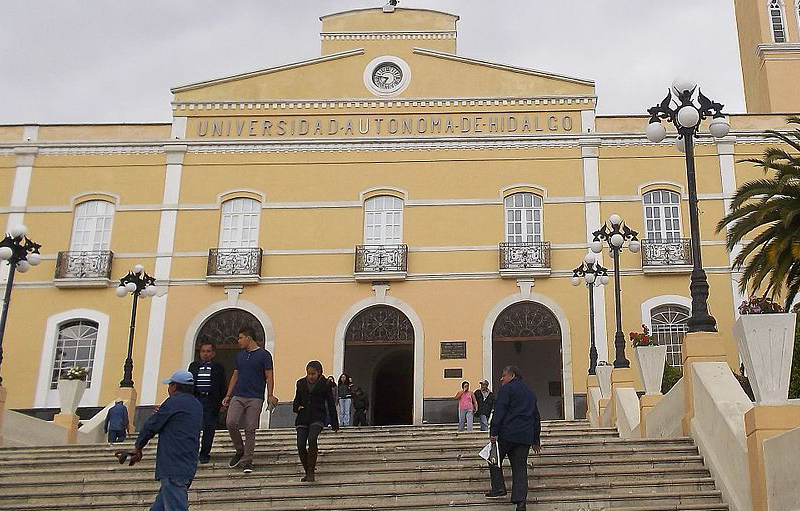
[
  {"x": 234, "y": 261},
  {"x": 524, "y": 255},
  {"x": 675, "y": 252},
  {"x": 381, "y": 258},
  {"x": 84, "y": 265}
]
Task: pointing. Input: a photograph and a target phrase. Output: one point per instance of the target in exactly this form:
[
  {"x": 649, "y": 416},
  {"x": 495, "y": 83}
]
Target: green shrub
[
  {"x": 671, "y": 377},
  {"x": 794, "y": 379}
]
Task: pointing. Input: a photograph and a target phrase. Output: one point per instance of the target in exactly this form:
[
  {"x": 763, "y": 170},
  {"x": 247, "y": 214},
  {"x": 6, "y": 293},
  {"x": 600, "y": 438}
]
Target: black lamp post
[
  {"x": 594, "y": 275},
  {"x": 21, "y": 253},
  {"x": 679, "y": 109},
  {"x": 138, "y": 283},
  {"x": 616, "y": 236}
]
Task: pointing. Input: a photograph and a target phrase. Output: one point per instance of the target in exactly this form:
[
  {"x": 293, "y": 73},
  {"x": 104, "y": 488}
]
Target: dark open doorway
[{"x": 394, "y": 389}]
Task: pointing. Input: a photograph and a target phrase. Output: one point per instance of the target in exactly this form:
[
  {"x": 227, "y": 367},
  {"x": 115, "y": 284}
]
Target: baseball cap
[
  {"x": 180, "y": 377},
  {"x": 484, "y": 382}
]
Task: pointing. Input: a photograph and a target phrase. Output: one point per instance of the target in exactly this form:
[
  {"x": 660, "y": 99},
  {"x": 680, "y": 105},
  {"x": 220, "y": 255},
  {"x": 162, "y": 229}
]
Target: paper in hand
[{"x": 490, "y": 453}]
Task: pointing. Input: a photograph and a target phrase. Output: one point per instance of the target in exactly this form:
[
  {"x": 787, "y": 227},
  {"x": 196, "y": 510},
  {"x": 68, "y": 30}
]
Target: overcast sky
[{"x": 65, "y": 61}]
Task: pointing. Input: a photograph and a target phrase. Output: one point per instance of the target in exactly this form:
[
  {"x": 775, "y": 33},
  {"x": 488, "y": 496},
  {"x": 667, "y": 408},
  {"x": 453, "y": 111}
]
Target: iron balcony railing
[
  {"x": 524, "y": 255},
  {"x": 84, "y": 265},
  {"x": 675, "y": 252},
  {"x": 381, "y": 258},
  {"x": 234, "y": 261}
]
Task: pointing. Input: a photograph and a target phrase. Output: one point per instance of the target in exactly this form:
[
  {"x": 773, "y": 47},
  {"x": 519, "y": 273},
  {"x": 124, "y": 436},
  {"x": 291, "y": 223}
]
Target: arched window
[
  {"x": 239, "y": 225},
  {"x": 523, "y": 218},
  {"x": 662, "y": 215},
  {"x": 777, "y": 21},
  {"x": 670, "y": 324},
  {"x": 383, "y": 221},
  {"x": 75, "y": 346},
  {"x": 91, "y": 228}
]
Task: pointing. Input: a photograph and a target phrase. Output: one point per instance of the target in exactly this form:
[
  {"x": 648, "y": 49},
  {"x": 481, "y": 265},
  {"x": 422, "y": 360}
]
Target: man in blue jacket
[
  {"x": 116, "y": 424},
  {"x": 177, "y": 423},
  {"x": 515, "y": 429}
]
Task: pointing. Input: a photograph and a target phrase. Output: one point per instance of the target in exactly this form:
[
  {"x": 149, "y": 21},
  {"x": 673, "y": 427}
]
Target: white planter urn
[
  {"x": 766, "y": 345},
  {"x": 604, "y": 379},
  {"x": 70, "y": 393},
  {"x": 651, "y": 360}
]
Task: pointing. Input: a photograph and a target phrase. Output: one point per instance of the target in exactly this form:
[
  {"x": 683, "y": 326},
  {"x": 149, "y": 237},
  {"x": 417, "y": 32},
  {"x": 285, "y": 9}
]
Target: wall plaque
[
  {"x": 451, "y": 350},
  {"x": 453, "y": 373}
]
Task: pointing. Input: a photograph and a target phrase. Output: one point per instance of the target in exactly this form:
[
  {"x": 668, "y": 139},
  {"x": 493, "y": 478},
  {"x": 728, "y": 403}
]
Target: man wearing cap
[
  {"x": 485, "y": 400},
  {"x": 177, "y": 423},
  {"x": 116, "y": 424}
]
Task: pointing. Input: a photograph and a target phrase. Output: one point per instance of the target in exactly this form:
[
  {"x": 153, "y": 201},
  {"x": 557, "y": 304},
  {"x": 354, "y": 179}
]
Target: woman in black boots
[{"x": 310, "y": 398}]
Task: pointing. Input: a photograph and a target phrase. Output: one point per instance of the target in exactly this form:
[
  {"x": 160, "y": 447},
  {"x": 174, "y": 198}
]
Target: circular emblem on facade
[{"x": 387, "y": 76}]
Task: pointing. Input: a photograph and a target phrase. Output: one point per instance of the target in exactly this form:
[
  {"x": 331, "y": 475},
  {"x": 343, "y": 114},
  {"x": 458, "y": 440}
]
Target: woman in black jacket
[{"x": 310, "y": 397}]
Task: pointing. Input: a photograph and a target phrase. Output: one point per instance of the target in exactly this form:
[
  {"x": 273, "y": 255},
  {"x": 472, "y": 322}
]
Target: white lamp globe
[
  {"x": 575, "y": 280},
  {"x": 130, "y": 287},
  {"x": 656, "y": 132},
  {"x": 617, "y": 240},
  {"x": 596, "y": 247},
  {"x": 121, "y": 291},
  {"x": 34, "y": 259},
  {"x": 680, "y": 143},
  {"x": 719, "y": 127},
  {"x": 604, "y": 279},
  {"x": 6, "y": 253},
  {"x": 615, "y": 219},
  {"x": 682, "y": 84},
  {"x": 590, "y": 277},
  {"x": 138, "y": 269},
  {"x": 688, "y": 116},
  {"x": 23, "y": 266},
  {"x": 635, "y": 246},
  {"x": 590, "y": 258},
  {"x": 152, "y": 291},
  {"x": 18, "y": 231}
]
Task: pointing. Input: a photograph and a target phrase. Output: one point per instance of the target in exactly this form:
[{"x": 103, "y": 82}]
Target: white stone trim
[
  {"x": 566, "y": 345},
  {"x": 19, "y": 198},
  {"x": 46, "y": 398},
  {"x": 419, "y": 343},
  {"x": 666, "y": 185},
  {"x": 113, "y": 198},
  {"x": 262, "y": 196},
  {"x": 727, "y": 172},
  {"x": 588, "y": 121},
  {"x": 362, "y": 197},
  {"x": 387, "y": 35},
  {"x": 541, "y": 191},
  {"x": 178, "y": 131},
  {"x": 30, "y": 133},
  {"x": 651, "y": 303}
]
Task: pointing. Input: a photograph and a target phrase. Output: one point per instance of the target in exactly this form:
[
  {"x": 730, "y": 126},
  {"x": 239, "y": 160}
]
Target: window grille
[
  {"x": 669, "y": 325},
  {"x": 777, "y": 22},
  {"x": 75, "y": 346}
]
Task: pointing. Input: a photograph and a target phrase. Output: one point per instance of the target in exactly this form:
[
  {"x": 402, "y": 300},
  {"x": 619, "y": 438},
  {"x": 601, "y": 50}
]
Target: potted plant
[
  {"x": 603, "y": 371},
  {"x": 765, "y": 336},
  {"x": 650, "y": 358},
  {"x": 71, "y": 387}
]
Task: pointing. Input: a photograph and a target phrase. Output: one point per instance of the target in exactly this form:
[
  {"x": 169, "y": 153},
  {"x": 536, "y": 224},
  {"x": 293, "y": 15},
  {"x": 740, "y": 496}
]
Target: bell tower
[{"x": 769, "y": 45}]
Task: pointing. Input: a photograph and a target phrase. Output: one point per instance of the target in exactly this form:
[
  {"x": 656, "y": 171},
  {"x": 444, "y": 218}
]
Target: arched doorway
[
  {"x": 527, "y": 334},
  {"x": 379, "y": 356}
]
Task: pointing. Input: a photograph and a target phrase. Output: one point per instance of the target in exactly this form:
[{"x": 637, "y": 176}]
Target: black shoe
[
  {"x": 248, "y": 468},
  {"x": 521, "y": 506},
  {"x": 204, "y": 459},
  {"x": 492, "y": 494},
  {"x": 237, "y": 457}
]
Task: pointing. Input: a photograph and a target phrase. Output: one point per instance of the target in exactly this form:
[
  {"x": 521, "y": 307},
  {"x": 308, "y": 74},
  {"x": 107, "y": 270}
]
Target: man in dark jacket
[
  {"x": 485, "y": 399},
  {"x": 210, "y": 386},
  {"x": 360, "y": 407},
  {"x": 177, "y": 423},
  {"x": 116, "y": 424},
  {"x": 516, "y": 427}
]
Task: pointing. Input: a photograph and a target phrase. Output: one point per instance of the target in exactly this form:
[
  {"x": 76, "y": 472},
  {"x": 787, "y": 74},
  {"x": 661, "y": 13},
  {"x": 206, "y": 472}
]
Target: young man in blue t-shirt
[{"x": 245, "y": 398}]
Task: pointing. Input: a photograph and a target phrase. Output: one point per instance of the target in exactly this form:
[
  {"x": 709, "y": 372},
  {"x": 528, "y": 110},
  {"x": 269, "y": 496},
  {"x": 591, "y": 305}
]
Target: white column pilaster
[
  {"x": 19, "y": 191},
  {"x": 725, "y": 151}
]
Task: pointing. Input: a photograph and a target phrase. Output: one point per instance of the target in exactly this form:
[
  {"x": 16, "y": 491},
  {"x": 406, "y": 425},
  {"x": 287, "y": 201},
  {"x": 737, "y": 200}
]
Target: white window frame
[
  {"x": 48, "y": 398},
  {"x": 388, "y": 215},
  {"x": 100, "y": 238},
  {"x": 232, "y": 223},
  {"x": 779, "y": 5},
  {"x": 662, "y": 234},
  {"x": 525, "y": 220}
]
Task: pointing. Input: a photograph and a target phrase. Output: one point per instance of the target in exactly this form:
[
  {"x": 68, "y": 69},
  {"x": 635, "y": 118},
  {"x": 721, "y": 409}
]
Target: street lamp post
[
  {"x": 594, "y": 275},
  {"x": 679, "y": 109},
  {"x": 137, "y": 283},
  {"x": 616, "y": 236},
  {"x": 21, "y": 253}
]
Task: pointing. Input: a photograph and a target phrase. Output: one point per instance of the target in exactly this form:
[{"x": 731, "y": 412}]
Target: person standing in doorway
[
  {"x": 210, "y": 386},
  {"x": 360, "y": 407},
  {"x": 485, "y": 399},
  {"x": 252, "y": 375},
  {"x": 515, "y": 429},
  {"x": 116, "y": 424},
  {"x": 311, "y": 395},
  {"x": 466, "y": 407},
  {"x": 345, "y": 394}
]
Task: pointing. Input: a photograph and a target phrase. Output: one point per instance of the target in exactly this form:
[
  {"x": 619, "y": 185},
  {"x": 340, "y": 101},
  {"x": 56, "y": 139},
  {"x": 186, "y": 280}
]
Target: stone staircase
[{"x": 397, "y": 468}]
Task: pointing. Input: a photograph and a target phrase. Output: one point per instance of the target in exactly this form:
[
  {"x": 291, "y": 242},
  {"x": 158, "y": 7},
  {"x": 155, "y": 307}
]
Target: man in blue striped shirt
[{"x": 210, "y": 386}]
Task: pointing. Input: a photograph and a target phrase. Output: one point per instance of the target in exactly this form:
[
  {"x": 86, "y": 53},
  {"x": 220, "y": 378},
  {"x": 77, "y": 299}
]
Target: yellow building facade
[{"x": 402, "y": 213}]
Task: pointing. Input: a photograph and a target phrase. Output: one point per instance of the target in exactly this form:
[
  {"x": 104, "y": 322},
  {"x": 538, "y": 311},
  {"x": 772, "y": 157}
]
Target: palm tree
[{"x": 767, "y": 212}]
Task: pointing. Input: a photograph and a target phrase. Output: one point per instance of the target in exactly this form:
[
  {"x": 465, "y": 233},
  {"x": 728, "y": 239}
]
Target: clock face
[{"x": 387, "y": 76}]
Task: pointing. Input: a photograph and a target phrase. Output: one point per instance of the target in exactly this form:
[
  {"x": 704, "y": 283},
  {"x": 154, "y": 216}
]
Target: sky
[{"x": 94, "y": 61}]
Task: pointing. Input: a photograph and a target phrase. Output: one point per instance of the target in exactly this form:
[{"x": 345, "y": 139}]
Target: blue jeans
[
  {"x": 344, "y": 411},
  {"x": 116, "y": 436},
  {"x": 173, "y": 495},
  {"x": 484, "y": 422},
  {"x": 465, "y": 417}
]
